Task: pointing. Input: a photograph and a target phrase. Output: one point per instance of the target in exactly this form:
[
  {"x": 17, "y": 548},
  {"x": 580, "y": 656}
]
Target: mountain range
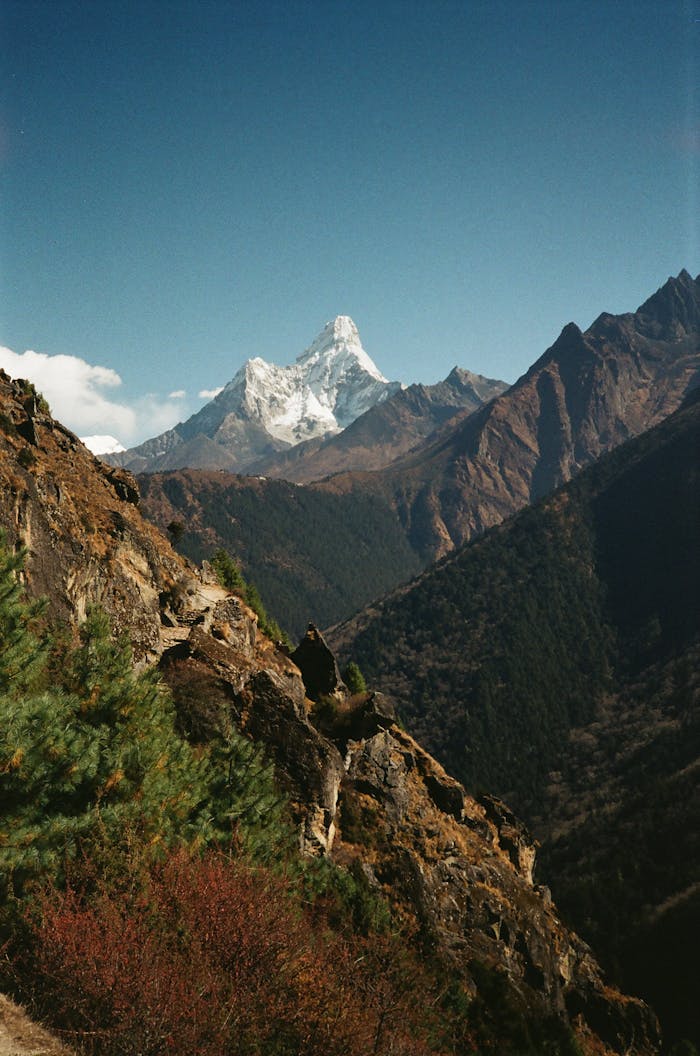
[
  {"x": 586, "y": 394},
  {"x": 266, "y": 408},
  {"x": 499, "y": 968},
  {"x": 387, "y": 430},
  {"x": 462, "y": 468}
]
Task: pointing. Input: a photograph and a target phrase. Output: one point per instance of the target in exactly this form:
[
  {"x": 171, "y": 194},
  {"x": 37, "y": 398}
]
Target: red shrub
[{"x": 212, "y": 957}]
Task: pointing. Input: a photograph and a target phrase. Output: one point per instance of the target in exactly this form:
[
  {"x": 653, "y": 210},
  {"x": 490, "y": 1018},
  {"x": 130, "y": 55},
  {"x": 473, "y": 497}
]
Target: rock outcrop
[
  {"x": 86, "y": 540},
  {"x": 317, "y": 664},
  {"x": 463, "y": 868}
]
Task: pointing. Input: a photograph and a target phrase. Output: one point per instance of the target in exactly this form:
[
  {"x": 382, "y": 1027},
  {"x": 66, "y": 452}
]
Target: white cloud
[
  {"x": 209, "y": 394},
  {"x": 102, "y": 445},
  {"x": 79, "y": 395},
  {"x": 179, "y": 394}
]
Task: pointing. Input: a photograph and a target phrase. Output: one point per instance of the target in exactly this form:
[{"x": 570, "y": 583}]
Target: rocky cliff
[
  {"x": 459, "y": 869},
  {"x": 87, "y": 541}
]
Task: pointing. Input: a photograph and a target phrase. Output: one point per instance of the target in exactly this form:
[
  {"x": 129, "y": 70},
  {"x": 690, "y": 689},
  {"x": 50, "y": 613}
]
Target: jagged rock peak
[
  {"x": 340, "y": 339},
  {"x": 676, "y": 303},
  {"x": 483, "y": 388},
  {"x": 317, "y": 664}
]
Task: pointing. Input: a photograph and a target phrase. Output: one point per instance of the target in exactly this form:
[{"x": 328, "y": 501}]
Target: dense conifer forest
[
  {"x": 554, "y": 661},
  {"x": 312, "y": 555}
]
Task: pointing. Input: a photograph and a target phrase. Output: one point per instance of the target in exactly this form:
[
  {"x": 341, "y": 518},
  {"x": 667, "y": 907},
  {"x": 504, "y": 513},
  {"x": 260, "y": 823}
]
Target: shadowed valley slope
[{"x": 555, "y": 661}]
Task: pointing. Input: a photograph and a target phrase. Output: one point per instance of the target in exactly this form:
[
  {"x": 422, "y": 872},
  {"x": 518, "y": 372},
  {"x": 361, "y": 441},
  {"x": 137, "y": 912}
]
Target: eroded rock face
[
  {"x": 262, "y": 691},
  {"x": 317, "y": 665},
  {"x": 464, "y": 868},
  {"x": 86, "y": 540}
]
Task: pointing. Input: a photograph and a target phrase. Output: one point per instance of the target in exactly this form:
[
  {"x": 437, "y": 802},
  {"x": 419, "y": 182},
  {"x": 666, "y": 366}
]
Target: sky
[{"x": 185, "y": 184}]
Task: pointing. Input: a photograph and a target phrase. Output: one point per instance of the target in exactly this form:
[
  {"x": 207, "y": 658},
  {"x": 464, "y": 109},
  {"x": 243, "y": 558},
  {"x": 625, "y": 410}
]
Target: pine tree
[
  {"x": 22, "y": 653},
  {"x": 95, "y": 755},
  {"x": 354, "y": 679},
  {"x": 98, "y": 755},
  {"x": 245, "y": 798}
]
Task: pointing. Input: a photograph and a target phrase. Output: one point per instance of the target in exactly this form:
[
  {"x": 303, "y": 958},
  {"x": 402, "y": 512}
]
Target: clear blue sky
[{"x": 189, "y": 183}]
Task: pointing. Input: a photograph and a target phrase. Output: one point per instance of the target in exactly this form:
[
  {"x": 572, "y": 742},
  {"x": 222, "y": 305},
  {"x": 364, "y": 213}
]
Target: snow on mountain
[
  {"x": 266, "y": 408},
  {"x": 102, "y": 445},
  {"x": 331, "y": 384}
]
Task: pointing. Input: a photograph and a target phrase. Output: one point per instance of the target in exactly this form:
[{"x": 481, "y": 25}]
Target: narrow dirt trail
[{"x": 19, "y": 1036}]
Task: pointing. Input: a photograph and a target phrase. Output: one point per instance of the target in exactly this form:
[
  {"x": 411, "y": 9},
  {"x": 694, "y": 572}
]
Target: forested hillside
[
  {"x": 552, "y": 661},
  {"x": 311, "y": 554}
]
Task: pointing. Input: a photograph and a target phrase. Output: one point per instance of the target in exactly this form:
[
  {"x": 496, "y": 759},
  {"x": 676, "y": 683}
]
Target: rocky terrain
[
  {"x": 458, "y": 867},
  {"x": 79, "y": 518}
]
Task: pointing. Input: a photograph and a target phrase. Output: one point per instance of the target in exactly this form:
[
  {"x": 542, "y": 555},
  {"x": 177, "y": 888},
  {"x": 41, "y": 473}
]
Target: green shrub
[{"x": 354, "y": 679}]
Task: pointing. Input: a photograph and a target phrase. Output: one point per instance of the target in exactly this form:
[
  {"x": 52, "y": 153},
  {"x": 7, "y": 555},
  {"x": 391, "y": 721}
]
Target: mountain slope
[
  {"x": 588, "y": 393},
  {"x": 387, "y": 430},
  {"x": 312, "y": 554},
  {"x": 473, "y": 470},
  {"x": 266, "y": 408},
  {"x": 456, "y": 870},
  {"x": 554, "y": 660}
]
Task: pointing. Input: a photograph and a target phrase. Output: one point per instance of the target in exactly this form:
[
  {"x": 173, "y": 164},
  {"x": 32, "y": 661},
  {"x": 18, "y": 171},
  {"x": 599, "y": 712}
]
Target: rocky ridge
[
  {"x": 586, "y": 394},
  {"x": 387, "y": 430},
  {"x": 361, "y": 789}
]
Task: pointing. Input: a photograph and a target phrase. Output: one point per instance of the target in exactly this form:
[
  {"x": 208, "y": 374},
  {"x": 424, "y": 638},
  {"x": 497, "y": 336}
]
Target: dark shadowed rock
[{"x": 317, "y": 664}]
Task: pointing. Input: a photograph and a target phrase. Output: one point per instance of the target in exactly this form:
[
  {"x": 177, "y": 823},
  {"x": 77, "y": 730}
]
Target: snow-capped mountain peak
[
  {"x": 267, "y": 408},
  {"x": 330, "y": 384},
  {"x": 340, "y": 341},
  {"x": 102, "y": 445}
]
